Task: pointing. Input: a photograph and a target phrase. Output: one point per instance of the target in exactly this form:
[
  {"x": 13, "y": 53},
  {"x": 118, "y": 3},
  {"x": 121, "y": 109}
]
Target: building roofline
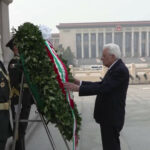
[{"x": 102, "y": 24}]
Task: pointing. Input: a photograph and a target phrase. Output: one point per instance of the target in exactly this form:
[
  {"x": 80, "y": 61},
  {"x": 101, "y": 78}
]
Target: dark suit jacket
[{"x": 111, "y": 95}]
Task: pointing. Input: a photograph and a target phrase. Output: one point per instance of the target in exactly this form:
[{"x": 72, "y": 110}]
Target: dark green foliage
[{"x": 40, "y": 70}]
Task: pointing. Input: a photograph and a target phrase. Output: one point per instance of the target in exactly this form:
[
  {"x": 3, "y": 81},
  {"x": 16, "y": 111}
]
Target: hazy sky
[{"x": 51, "y": 13}]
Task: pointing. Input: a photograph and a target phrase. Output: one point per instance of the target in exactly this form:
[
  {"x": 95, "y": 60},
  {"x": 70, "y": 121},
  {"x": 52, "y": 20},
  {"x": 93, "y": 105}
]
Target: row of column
[{"x": 123, "y": 43}]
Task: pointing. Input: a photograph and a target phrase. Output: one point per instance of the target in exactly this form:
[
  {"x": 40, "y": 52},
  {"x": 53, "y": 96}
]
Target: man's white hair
[{"x": 113, "y": 49}]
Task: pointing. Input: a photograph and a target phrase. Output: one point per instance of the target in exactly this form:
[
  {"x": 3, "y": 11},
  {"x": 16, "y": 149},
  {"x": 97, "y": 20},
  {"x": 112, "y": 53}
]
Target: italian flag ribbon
[{"x": 62, "y": 77}]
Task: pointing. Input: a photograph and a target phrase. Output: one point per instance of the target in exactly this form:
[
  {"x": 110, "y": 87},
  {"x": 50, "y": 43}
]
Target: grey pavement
[{"x": 134, "y": 136}]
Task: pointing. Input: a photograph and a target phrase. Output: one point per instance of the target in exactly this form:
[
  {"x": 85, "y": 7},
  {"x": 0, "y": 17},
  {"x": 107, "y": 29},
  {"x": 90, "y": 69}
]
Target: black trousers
[
  {"x": 3, "y": 144},
  {"x": 20, "y": 144},
  {"x": 110, "y": 137}
]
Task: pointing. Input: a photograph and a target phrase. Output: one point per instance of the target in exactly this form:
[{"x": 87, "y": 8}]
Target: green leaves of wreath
[{"x": 41, "y": 78}]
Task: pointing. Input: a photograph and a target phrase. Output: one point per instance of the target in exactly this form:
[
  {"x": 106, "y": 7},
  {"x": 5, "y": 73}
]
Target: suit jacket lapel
[
  {"x": 111, "y": 69},
  {"x": 107, "y": 73}
]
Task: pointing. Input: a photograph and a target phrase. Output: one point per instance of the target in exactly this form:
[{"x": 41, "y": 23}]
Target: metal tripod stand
[{"x": 17, "y": 120}]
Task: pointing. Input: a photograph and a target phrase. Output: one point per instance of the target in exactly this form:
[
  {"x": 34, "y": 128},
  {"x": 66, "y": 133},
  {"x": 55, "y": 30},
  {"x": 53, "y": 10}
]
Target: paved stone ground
[
  {"x": 136, "y": 133},
  {"x": 134, "y": 136}
]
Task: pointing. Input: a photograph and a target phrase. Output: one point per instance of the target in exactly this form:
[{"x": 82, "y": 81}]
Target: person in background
[
  {"x": 15, "y": 73},
  {"x": 5, "y": 127},
  {"x": 111, "y": 93}
]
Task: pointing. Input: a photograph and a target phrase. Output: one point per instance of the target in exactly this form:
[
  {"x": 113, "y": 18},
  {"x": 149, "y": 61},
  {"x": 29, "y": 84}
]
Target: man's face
[{"x": 107, "y": 58}]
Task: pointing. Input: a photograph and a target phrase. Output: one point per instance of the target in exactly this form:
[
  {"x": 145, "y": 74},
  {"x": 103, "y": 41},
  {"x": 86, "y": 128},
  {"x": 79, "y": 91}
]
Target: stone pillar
[
  {"x": 132, "y": 43},
  {"x": 89, "y": 45},
  {"x": 104, "y": 37},
  {"x": 147, "y": 43},
  {"x": 82, "y": 47},
  {"x": 113, "y": 36},
  {"x": 140, "y": 41},
  {"x": 123, "y": 45},
  {"x": 4, "y": 30},
  {"x": 97, "y": 51}
]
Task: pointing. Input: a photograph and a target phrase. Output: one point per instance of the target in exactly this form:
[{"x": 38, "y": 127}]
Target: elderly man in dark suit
[{"x": 111, "y": 93}]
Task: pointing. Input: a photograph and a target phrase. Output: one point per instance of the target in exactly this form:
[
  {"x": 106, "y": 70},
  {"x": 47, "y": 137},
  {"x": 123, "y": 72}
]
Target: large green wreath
[{"x": 42, "y": 80}]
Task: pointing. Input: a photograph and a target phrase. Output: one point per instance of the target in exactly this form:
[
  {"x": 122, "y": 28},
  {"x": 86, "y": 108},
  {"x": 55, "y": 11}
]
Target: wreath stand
[{"x": 45, "y": 124}]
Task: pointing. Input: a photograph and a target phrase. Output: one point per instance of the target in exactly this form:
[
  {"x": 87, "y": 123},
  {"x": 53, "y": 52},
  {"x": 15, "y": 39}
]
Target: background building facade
[{"x": 86, "y": 40}]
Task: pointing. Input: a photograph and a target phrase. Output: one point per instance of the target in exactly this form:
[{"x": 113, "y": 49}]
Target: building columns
[
  {"x": 104, "y": 37},
  {"x": 123, "y": 45},
  {"x": 113, "y": 36},
  {"x": 140, "y": 42},
  {"x": 132, "y": 43},
  {"x": 82, "y": 46},
  {"x": 147, "y": 43},
  {"x": 89, "y": 45},
  {"x": 97, "y": 51},
  {"x": 134, "y": 38}
]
